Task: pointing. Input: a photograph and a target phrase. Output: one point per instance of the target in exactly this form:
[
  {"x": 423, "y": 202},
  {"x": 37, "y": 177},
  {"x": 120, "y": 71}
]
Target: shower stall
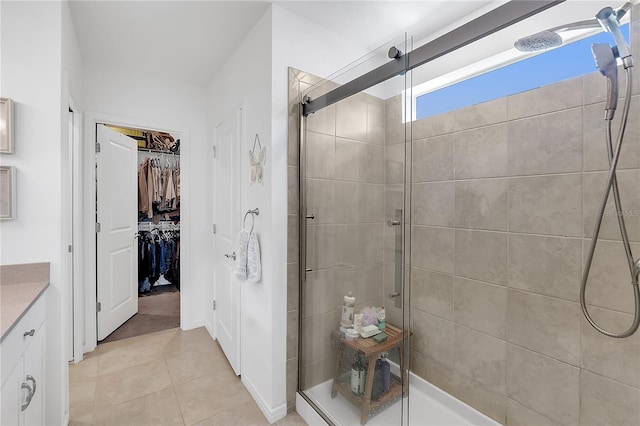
[{"x": 465, "y": 237}]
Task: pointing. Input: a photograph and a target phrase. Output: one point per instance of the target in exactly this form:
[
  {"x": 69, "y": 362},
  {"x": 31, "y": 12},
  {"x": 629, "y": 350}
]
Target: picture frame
[
  {"x": 7, "y": 192},
  {"x": 6, "y": 126}
]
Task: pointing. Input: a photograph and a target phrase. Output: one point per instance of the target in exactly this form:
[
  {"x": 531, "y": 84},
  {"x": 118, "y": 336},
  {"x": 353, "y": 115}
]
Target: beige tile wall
[{"x": 504, "y": 201}]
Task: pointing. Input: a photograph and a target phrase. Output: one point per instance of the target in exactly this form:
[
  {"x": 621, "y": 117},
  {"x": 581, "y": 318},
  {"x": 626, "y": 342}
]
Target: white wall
[
  {"x": 32, "y": 36},
  {"x": 138, "y": 97},
  {"x": 246, "y": 78}
]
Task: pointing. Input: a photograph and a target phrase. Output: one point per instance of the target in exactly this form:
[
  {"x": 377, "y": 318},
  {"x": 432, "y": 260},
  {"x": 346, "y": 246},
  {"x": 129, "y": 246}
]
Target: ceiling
[{"x": 191, "y": 40}]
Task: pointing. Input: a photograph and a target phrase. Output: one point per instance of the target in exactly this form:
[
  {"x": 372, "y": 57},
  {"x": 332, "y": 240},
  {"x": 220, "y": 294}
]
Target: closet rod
[{"x": 157, "y": 151}]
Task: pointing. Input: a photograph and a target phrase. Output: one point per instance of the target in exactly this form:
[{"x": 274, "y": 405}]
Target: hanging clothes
[{"x": 158, "y": 190}]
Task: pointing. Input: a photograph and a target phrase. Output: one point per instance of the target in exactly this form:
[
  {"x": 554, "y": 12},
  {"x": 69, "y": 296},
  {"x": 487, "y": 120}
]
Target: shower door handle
[{"x": 399, "y": 246}]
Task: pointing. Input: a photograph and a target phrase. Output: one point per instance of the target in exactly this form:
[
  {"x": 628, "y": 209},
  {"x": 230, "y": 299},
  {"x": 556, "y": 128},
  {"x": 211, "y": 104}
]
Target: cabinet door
[
  {"x": 34, "y": 377},
  {"x": 12, "y": 397}
]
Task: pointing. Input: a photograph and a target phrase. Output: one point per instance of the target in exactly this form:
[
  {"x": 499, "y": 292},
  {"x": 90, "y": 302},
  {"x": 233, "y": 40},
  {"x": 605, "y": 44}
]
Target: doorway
[{"x": 137, "y": 231}]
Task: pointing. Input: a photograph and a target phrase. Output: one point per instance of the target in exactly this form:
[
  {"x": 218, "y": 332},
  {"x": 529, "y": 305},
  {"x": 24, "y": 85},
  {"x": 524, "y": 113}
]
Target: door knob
[
  {"x": 394, "y": 295},
  {"x": 393, "y": 222},
  {"x": 231, "y": 256}
]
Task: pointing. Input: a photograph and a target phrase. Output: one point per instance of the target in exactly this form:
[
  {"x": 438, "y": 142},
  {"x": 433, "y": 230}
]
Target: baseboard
[
  {"x": 272, "y": 415},
  {"x": 307, "y": 412},
  {"x": 192, "y": 325}
]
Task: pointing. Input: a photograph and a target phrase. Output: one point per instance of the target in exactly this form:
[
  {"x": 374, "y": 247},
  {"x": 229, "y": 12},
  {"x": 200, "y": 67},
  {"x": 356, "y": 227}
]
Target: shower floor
[{"x": 428, "y": 406}]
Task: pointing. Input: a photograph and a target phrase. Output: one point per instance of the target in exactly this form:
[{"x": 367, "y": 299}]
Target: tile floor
[{"x": 171, "y": 377}]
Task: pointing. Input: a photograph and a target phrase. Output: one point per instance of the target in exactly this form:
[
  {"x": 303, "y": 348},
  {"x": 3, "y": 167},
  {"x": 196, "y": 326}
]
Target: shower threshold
[{"x": 428, "y": 406}]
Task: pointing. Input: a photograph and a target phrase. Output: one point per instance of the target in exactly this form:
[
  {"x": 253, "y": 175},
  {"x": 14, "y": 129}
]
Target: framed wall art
[
  {"x": 7, "y": 192},
  {"x": 6, "y": 126}
]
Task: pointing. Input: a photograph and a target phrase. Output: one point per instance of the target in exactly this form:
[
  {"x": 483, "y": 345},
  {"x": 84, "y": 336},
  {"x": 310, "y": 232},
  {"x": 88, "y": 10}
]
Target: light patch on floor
[{"x": 171, "y": 377}]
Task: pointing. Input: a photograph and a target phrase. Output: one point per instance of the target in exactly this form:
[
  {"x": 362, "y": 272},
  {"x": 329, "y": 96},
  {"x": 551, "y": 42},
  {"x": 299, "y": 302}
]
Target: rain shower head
[{"x": 540, "y": 41}]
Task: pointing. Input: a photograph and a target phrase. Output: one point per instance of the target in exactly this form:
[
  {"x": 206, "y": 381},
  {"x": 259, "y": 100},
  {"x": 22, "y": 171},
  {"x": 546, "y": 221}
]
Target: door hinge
[
  {"x": 70, "y": 248},
  {"x": 214, "y": 228},
  {"x": 214, "y": 305},
  {"x": 98, "y": 306},
  {"x": 97, "y": 227},
  {"x": 215, "y": 151},
  {"x": 97, "y": 147}
]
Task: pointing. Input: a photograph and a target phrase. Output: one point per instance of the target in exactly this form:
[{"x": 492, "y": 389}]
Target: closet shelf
[{"x": 163, "y": 226}]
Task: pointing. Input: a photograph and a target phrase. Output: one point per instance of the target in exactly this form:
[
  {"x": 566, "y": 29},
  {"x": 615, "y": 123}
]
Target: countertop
[{"x": 20, "y": 287}]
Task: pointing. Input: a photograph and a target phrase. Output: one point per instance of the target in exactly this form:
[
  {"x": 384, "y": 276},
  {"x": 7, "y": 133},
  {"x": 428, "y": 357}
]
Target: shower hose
[{"x": 634, "y": 266}]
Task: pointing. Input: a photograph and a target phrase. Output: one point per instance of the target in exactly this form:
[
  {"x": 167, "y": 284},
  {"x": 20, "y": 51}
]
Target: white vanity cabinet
[{"x": 22, "y": 355}]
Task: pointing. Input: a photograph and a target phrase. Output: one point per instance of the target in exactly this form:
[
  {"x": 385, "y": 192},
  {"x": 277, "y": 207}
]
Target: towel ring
[{"x": 255, "y": 212}]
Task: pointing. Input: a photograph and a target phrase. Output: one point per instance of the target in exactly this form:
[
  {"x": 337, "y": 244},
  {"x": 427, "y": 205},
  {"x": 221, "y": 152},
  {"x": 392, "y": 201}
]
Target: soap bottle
[
  {"x": 385, "y": 370},
  {"x": 348, "y": 307},
  {"x": 357, "y": 376}
]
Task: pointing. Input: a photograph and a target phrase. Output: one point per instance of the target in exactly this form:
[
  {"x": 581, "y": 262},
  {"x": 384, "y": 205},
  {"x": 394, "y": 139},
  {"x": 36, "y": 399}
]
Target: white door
[
  {"x": 117, "y": 214},
  {"x": 227, "y": 218}
]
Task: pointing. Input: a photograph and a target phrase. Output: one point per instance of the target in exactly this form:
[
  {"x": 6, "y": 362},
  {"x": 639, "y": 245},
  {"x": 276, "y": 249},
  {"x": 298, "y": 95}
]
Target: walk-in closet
[{"x": 158, "y": 233}]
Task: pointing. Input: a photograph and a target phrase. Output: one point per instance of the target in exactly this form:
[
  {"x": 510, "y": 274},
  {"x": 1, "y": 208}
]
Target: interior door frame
[{"x": 88, "y": 321}]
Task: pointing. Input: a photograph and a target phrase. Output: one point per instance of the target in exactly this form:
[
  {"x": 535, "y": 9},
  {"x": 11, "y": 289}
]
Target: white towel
[
  {"x": 241, "y": 260},
  {"x": 254, "y": 267}
]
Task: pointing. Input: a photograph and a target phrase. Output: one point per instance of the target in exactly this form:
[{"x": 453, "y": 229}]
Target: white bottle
[{"x": 347, "y": 311}]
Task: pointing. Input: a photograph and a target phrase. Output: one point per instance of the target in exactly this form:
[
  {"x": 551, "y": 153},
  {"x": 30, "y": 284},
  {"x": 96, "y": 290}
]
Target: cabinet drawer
[{"x": 16, "y": 343}]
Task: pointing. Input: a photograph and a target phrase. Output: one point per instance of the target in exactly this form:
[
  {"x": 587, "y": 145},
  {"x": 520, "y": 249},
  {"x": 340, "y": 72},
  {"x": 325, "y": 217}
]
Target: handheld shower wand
[{"x": 605, "y": 58}]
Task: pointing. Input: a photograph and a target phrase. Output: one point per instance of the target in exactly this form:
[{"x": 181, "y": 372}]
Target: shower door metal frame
[{"x": 487, "y": 24}]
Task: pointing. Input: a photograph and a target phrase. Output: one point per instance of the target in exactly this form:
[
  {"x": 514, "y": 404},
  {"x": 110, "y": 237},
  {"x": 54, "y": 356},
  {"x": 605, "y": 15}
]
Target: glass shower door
[{"x": 353, "y": 212}]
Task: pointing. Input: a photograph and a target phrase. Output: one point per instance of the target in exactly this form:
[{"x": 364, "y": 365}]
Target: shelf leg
[
  {"x": 336, "y": 375},
  {"x": 366, "y": 398}
]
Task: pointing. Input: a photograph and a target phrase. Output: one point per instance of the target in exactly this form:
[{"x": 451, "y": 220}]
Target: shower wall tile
[
  {"x": 358, "y": 243},
  {"x": 394, "y": 163},
  {"x": 317, "y": 337},
  {"x": 375, "y": 120},
  {"x": 321, "y": 156},
  {"x": 491, "y": 403},
  {"x": 321, "y": 246},
  {"x": 481, "y": 204},
  {"x": 546, "y": 205},
  {"x": 480, "y": 306},
  {"x": 292, "y": 334},
  {"x": 617, "y": 359},
  {"x": 481, "y": 255},
  {"x": 480, "y": 357},
  {"x": 323, "y": 121},
  {"x": 433, "y": 248},
  {"x": 365, "y": 281},
  {"x": 550, "y": 143},
  {"x": 321, "y": 201},
  {"x": 546, "y": 265},
  {"x": 481, "y": 152},
  {"x": 519, "y": 415},
  {"x": 292, "y": 146},
  {"x": 320, "y": 293},
  {"x": 550, "y": 98},
  {"x": 608, "y": 285},
  {"x": 432, "y": 292},
  {"x": 292, "y": 238},
  {"x": 436, "y": 373},
  {"x": 594, "y": 186},
  {"x": 544, "y": 324},
  {"x": 546, "y": 385},
  {"x": 433, "y": 336},
  {"x": 358, "y": 161},
  {"x": 292, "y": 194},
  {"x": 316, "y": 372},
  {"x": 393, "y": 199},
  {"x": 359, "y": 202},
  {"x": 394, "y": 126},
  {"x": 594, "y": 131},
  {"x": 351, "y": 118},
  {"x": 479, "y": 115},
  {"x": 293, "y": 289},
  {"x": 433, "y": 126},
  {"x": 433, "y": 159},
  {"x": 607, "y": 402},
  {"x": 433, "y": 203}
]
